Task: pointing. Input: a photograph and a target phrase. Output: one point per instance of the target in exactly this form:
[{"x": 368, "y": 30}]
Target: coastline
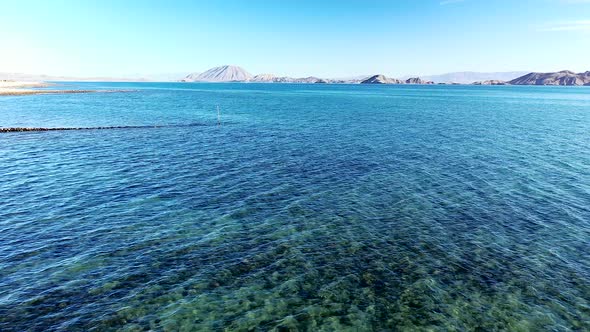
[
  {"x": 22, "y": 88},
  {"x": 23, "y": 92},
  {"x": 14, "y": 88}
]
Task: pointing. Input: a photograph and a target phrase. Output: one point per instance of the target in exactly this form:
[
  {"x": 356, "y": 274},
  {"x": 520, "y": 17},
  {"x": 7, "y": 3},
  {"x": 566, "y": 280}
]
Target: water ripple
[{"x": 319, "y": 208}]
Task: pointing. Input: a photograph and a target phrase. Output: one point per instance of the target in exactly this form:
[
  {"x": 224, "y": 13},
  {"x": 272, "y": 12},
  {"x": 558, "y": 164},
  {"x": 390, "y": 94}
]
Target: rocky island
[
  {"x": 417, "y": 80},
  {"x": 381, "y": 79},
  {"x": 490, "y": 82}
]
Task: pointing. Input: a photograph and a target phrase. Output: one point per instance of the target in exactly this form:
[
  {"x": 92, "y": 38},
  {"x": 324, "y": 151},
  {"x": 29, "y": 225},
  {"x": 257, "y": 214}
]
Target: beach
[
  {"x": 14, "y": 88},
  {"x": 21, "y": 88},
  {"x": 9, "y": 84}
]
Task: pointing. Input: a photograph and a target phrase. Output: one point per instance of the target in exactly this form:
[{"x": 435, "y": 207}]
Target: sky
[{"x": 326, "y": 38}]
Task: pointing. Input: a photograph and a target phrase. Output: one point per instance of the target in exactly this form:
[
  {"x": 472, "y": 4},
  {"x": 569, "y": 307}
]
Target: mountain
[
  {"x": 263, "y": 78},
  {"x": 221, "y": 74},
  {"x": 381, "y": 79},
  {"x": 417, "y": 80},
  {"x": 490, "y": 82},
  {"x": 564, "y": 77},
  {"x": 238, "y": 74},
  {"x": 358, "y": 78},
  {"x": 310, "y": 79},
  {"x": 270, "y": 78},
  {"x": 192, "y": 77},
  {"x": 467, "y": 77}
]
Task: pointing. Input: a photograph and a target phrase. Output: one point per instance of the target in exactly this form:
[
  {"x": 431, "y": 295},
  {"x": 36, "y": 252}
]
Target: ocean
[{"x": 309, "y": 208}]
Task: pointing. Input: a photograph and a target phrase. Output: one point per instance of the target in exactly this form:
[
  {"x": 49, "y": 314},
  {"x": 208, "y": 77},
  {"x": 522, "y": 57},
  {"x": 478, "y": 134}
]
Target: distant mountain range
[
  {"x": 41, "y": 77},
  {"x": 230, "y": 73},
  {"x": 468, "y": 77}
]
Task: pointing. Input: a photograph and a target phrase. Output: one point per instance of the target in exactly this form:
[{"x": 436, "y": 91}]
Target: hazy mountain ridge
[
  {"x": 238, "y": 74},
  {"x": 468, "y": 77},
  {"x": 164, "y": 77},
  {"x": 229, "y": 73},
  {"x": 42, "y": 77}
]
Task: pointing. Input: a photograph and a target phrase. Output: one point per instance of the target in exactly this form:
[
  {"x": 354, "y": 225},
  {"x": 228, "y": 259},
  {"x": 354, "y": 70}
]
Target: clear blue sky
[{"x": 331, "y": 38}]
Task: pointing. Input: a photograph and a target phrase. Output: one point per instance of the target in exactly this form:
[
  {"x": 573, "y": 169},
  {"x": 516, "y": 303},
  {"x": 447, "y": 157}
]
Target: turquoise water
[{"x": 311, "y": 208}]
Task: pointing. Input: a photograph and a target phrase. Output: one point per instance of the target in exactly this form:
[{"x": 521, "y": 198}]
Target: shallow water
[{"x": 311, "y": 208}]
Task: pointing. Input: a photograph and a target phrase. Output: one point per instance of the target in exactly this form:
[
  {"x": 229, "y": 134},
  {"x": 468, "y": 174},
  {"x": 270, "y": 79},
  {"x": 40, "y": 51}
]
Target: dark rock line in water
[{"x": 26, "y": 129}]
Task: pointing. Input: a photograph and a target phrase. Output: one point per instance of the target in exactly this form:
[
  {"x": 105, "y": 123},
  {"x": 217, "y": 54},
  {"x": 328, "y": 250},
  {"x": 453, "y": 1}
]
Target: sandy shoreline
[
  {"x": 20, "y": 88},
  {"x": 15, "y": 88},
  {"x": 21, "y": 92},
  {"x": 7, "y": 84}
]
